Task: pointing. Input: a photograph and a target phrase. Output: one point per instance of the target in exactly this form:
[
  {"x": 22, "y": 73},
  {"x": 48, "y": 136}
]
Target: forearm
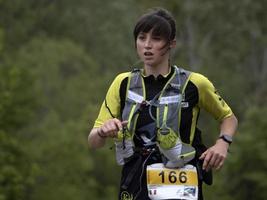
[
  {"x": 110, "y": 128},
  {"x": 229, "y": 125},
  {"x": 95, "y": 140},
  {"x": 214, "y": 156}
]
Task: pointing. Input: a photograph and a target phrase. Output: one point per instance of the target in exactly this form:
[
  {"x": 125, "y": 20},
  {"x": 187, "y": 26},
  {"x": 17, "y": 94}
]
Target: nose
[{"x": 148, "y": 43}]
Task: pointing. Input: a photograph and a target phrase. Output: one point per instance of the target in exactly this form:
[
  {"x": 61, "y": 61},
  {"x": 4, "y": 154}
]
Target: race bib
[{"x": 165, "y": 183}]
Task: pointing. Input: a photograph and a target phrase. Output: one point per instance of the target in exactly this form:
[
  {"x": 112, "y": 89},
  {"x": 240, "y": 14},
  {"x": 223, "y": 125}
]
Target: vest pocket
[{"x": 166, "y": 138}]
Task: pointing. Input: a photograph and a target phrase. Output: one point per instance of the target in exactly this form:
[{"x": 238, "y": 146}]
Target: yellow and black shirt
[{"x": 199, "y": 93}]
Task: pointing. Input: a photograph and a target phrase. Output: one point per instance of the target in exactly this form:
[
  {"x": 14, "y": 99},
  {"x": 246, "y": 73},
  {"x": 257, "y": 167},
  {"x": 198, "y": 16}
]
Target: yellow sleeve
[
  {"x": 209, "y": 98},
  {"x": 111, "y": 104}
]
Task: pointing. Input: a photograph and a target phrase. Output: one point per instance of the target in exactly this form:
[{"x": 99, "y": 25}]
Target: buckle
[{"x": 145, "y": 151}]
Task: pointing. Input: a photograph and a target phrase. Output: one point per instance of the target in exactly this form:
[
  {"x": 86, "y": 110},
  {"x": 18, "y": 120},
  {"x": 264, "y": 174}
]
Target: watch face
[{"x": 227, "y": 138}]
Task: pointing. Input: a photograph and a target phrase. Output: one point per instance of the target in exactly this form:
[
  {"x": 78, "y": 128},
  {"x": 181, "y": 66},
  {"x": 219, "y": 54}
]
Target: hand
[
  {"x": 215, "y": 156},
  {"x": 111, "y": 127}
]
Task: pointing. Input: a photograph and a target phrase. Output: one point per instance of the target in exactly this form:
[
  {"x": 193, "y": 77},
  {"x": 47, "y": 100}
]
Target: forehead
[
  {"x": 150, "y": 32},
  {"x": 154, "y": 24}
]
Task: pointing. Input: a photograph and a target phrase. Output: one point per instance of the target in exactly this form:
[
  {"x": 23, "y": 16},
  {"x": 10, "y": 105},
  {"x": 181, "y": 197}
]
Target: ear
[{"x": 173, "y": 44}]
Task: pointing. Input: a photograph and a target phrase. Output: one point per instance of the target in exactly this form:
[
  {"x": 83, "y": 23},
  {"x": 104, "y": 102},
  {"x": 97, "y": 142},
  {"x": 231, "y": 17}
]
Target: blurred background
[{"x": 57, "y": 59}]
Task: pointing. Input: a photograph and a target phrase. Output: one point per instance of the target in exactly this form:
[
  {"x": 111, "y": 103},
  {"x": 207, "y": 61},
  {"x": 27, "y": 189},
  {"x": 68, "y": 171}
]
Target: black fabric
[
  {"x": 136, "y": 187},
  {"x": 191, "y": 97},
  {"x": 204, "y": 176}
]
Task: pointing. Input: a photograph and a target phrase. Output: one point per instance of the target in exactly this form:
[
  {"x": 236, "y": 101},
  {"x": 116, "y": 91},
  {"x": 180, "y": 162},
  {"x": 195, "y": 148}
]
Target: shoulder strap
[
  {"x": 135, "y": 95},
  {"x": 169, "y": 109}
]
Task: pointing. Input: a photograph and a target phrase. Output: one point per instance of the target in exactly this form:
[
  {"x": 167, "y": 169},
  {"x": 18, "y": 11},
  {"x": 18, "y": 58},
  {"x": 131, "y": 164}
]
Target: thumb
[{"x": 124, "y": 123}]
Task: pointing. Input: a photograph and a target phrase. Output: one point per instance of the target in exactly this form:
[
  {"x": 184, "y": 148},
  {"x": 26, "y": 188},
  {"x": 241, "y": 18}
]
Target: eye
[
  {"x": 141, "y": 37},
  {"x": 158, "y": 38}
]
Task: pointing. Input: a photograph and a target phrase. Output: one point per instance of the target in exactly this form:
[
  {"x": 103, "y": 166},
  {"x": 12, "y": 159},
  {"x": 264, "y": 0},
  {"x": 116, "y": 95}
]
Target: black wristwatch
[{"x": 226, "y": 138}]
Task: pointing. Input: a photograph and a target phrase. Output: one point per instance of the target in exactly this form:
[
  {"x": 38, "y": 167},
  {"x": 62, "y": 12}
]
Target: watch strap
[{"x": 227, "y": 138}]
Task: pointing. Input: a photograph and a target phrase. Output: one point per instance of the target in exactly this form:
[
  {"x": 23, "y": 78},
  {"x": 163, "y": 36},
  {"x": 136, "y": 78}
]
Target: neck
[{"x": 155, "y": 70}]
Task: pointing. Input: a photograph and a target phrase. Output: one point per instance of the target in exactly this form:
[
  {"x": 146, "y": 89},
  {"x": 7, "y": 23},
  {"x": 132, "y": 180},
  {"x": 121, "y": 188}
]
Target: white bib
[{"x": 165, "y": 183}]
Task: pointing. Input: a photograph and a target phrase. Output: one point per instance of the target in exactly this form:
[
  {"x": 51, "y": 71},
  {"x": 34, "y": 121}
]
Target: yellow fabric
[
  {"x": 112, "y": 100},
  {"x": 209, "y": 99}
]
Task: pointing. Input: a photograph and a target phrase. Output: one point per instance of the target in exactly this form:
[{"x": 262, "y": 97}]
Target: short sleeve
[
  {"x": 209, "y": 98},
  {"x": 111, "y": 105}
]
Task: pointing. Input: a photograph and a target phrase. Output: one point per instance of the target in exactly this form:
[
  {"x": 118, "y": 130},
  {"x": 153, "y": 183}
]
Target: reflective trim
[
  {"x": 135, "y": 97},
  {"x": 170, "y": 99},
  {"x": 195, "y": 112},
  {"x": 165, "y": 112},
  {"x": 188, "y": 154},
  {"x": 130, "y": 117}
]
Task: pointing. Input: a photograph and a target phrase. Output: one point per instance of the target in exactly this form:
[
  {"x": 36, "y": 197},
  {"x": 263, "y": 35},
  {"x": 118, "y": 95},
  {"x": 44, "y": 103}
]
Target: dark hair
[{"x": 160, "y": 21}]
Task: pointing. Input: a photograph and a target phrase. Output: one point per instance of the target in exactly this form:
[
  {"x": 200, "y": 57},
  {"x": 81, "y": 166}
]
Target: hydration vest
[{"x": 168, "y": 105}]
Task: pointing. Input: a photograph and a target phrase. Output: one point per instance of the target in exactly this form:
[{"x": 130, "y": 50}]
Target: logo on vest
[
  {"x": 126, "y": 196},
  {"x": 184, "y": 104},
  {"x": 220, "y": 98}
]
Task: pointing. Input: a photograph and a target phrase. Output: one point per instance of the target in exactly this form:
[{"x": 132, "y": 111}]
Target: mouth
[{"x": 148, "y": 54}]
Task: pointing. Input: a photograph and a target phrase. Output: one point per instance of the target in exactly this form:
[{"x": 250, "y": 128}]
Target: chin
[{"x": 149, "y": 63}]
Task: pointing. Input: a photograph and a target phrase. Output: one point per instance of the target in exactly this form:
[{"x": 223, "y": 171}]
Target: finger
[
  {"x": 220, "y": 165},
  {"x": 221, "y": 162},
  {"x": 203, "y": 155},
  {"x": 104, "y": 130},
  {"x": 118, "y": 124},
  {"x": 206, "y": 160},
  {"x": 112, "y": 126},
  {"x": 124, "y": 123},
  {"x": 209, "y": 167},
  {"x": 217, "y": 162},
  {"x": 212, "y": 161}
]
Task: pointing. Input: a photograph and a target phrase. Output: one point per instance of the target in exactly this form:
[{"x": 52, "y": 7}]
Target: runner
[{"x": 152, "y": 113}]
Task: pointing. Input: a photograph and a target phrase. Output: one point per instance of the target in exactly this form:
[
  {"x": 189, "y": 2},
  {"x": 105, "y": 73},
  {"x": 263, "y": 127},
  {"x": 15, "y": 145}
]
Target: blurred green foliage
[{"x": 57, "y": 59}]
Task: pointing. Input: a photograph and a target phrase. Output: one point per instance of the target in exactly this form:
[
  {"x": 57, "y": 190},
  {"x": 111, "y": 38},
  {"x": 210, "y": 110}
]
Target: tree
[
  {"x": 247, "y": 163},
  {"x": 16, "y": 110},
  {"x": 65, "y": 80}
]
